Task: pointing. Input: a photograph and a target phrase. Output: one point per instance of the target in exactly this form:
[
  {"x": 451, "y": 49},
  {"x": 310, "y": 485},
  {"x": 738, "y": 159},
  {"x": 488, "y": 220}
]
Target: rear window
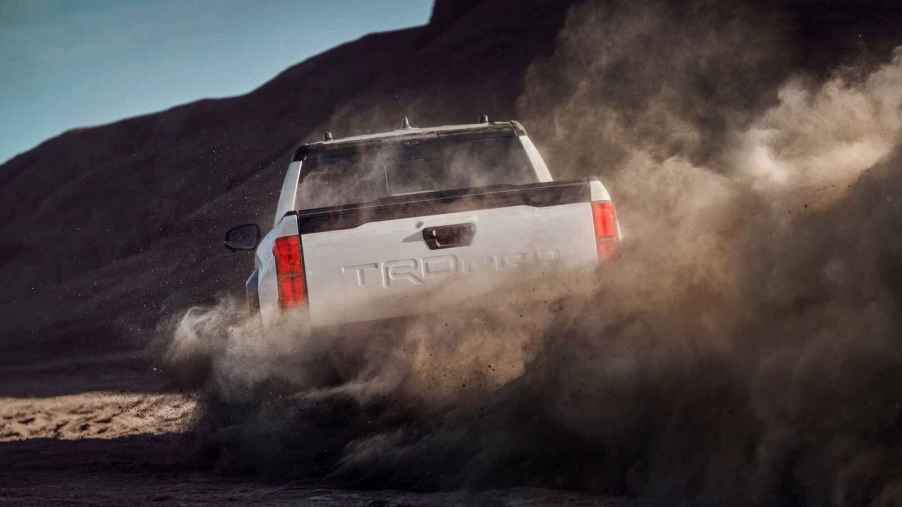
[{"x": 365, "y": 173}]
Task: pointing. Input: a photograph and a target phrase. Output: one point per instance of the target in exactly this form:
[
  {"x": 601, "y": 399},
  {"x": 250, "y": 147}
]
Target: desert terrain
[{"x": 122, "y": 443}]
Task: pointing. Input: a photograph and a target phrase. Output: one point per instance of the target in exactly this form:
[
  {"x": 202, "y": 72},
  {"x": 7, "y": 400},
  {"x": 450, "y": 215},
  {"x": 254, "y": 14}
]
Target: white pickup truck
[{"x": 368, "y": 226}]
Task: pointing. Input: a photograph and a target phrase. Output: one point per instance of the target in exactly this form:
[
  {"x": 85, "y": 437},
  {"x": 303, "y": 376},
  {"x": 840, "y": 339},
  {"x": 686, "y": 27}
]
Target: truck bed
[{"x": 388, "y": 258}]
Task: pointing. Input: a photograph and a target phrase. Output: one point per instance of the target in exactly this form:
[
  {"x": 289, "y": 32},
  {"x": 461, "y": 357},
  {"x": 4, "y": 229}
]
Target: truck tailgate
[{"x": 382, "y": 260}]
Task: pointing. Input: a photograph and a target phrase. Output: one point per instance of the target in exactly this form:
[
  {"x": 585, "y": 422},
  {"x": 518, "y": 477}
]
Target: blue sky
[{"x": 75, "y": 63}]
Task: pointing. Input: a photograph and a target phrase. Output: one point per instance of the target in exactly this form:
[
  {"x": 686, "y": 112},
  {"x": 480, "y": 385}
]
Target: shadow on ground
[{"x": 150, "y": 469}]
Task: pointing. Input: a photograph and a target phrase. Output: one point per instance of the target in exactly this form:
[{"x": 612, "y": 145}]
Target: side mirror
[{"x": 242, "y": 237}]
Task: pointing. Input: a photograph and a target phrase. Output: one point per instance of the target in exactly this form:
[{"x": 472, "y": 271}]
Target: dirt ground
[{"x": 107, "y": 432}]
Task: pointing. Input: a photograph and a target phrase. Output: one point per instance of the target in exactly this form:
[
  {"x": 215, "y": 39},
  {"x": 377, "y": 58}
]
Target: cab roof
[{"x": 410, "y": 133}]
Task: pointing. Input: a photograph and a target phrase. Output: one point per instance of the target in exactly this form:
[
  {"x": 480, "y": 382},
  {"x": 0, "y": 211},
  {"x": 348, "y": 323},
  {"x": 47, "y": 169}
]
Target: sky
[{"x": 77, "y": 63}]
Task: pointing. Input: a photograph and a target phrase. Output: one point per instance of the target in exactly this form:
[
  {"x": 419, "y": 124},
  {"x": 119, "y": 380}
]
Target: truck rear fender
[
  {"x": 267, "y": 281},
  {"x": 599, "y": 193}
]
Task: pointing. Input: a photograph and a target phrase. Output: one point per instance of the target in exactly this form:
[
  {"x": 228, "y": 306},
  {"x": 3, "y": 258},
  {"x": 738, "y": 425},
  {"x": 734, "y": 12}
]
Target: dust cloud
[{"x": 745, "y": 348}]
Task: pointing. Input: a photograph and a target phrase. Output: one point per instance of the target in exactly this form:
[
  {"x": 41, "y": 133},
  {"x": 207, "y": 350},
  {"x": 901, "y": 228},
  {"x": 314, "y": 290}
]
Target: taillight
[
  {"x": 290, "y": 271},
  {"x": 607, "y": 234}
]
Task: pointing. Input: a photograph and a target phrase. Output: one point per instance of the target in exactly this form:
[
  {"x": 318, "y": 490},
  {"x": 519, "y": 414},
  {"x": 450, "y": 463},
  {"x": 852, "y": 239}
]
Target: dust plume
[{"x": 745, "y": 348}]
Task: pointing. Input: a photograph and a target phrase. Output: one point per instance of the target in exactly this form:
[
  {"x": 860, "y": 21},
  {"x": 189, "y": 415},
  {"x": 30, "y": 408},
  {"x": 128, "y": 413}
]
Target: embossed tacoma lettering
[{"x": 415, "y": 271}]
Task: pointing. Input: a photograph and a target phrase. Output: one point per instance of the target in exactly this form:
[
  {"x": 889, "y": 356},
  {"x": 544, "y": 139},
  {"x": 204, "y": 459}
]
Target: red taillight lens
[
  {"x": 290, "y": 271},
  {"x": 607, "y": 236}
]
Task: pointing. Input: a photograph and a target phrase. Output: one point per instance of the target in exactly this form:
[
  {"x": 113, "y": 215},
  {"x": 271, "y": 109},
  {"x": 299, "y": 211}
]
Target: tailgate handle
[{"x": 449, "y": 236}]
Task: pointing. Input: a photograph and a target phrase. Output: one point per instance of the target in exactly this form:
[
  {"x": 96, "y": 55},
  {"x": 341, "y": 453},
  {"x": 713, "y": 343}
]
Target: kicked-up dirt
[{"x": 63, "y": 441}]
